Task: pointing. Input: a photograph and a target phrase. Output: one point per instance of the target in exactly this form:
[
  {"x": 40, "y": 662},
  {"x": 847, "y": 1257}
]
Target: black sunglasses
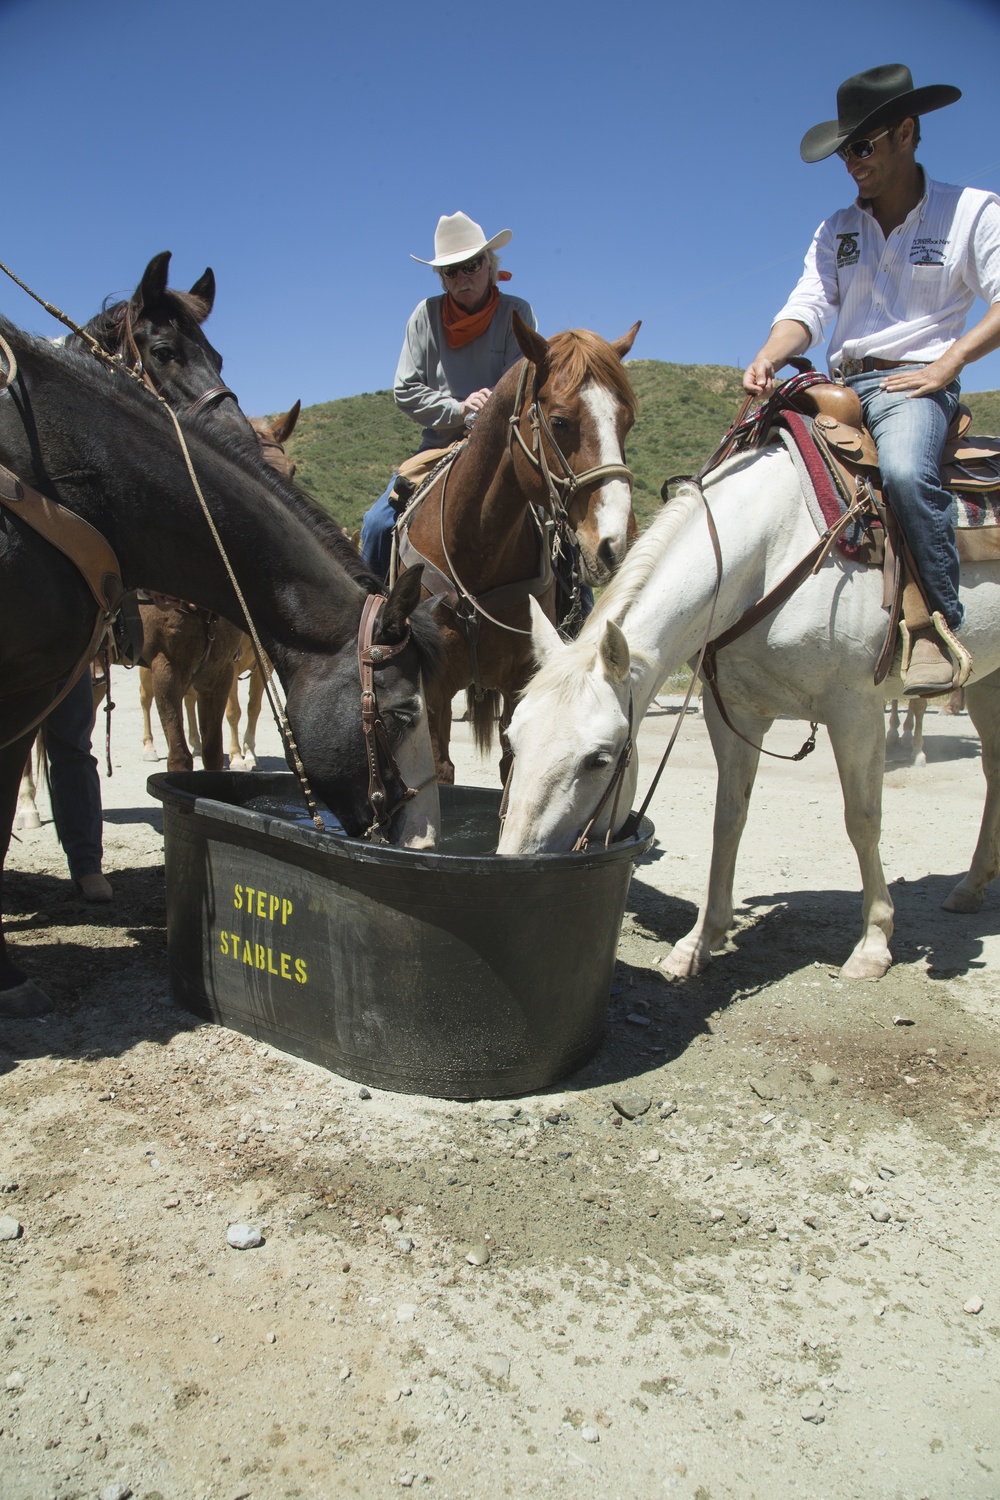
[
  {"x": 861, "y": 149},
  {"x": 470, "y": 267}
]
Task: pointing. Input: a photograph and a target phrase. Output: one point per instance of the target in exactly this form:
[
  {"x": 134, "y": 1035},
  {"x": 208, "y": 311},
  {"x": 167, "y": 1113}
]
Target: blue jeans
[
  {"x": 74, "y": 784},
  {"x": 910, "y": 432},
  {"x": 379, "y": 519}
]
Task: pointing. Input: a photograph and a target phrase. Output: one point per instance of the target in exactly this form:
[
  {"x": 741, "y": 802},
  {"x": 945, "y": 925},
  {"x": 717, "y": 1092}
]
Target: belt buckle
[{"x": 851, "y": 367}]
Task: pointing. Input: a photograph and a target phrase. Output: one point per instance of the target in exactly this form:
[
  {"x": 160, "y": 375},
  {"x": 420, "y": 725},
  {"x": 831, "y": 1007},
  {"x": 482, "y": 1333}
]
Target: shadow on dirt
[{"x": 104, "y": 967}]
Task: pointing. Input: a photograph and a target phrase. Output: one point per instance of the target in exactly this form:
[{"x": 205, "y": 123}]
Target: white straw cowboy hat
[
  {"x": 458, "y": 238},
  {"x": 878, "y": 97}
]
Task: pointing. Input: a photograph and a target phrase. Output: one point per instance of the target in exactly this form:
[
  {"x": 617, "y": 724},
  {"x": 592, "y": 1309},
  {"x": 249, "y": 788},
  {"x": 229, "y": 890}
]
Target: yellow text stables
[{"x": 270, "y": 908}]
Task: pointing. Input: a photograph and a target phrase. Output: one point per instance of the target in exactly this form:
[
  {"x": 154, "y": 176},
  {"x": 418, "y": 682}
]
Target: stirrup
[{"x": 960, "y": 654}]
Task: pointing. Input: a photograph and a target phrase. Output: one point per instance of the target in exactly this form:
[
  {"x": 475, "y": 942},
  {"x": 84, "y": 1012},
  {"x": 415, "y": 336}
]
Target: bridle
[
  {"x": 212, "y": 397},
  {"x": 370, "y": 658},
  {"x": 563, "y": 487}
]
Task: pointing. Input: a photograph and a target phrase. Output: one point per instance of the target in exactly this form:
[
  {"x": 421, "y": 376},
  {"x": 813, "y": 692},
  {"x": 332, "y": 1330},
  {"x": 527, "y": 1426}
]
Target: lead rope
[{"x": 115, "y": 362}]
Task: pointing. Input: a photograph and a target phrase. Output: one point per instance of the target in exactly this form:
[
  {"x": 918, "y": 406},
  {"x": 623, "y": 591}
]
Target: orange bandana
[{"x": 460, "y": 328}]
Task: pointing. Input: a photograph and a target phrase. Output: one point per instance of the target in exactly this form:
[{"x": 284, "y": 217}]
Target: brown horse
[
  {"x": 546, "y": 455},
  {"x": 195, "y": 658}
]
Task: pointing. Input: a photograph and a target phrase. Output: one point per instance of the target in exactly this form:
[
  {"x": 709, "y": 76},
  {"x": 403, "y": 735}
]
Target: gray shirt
[{"x": 432, "y": 379}]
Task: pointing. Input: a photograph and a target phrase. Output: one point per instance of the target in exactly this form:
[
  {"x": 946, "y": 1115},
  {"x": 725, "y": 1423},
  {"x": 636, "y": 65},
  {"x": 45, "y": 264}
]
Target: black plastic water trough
[{"x": 452, "y": 973}]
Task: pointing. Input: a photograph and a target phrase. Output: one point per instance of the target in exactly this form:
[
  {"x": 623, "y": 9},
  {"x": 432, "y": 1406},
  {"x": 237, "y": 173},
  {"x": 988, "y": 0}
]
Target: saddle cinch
[{"x": 970, "y": 471}]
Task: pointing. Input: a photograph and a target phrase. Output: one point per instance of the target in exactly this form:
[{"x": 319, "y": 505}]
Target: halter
[{"x": 370, "y": 657}]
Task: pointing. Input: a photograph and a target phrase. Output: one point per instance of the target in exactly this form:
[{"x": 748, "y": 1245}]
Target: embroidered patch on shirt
[
  {"x": 928, "y": 252},
  {"x": 848, "y": 250}
]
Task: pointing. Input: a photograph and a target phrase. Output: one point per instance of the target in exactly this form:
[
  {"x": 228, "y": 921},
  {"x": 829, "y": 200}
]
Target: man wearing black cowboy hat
[{"x": 898, "y": 270}]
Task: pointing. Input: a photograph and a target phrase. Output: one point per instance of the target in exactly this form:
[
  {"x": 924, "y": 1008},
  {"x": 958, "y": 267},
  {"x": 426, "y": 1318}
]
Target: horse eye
[
  {"x": 559, "y": 424},
  {"x": 598, "y": 760},
  {"x": 164, "y": 353}
]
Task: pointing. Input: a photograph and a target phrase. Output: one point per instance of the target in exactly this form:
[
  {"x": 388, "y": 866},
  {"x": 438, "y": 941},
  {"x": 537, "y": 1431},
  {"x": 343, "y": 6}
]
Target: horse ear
[
  {"x": 204, "y": 290},
  {"x": 615, "y": 657},
  {"x": 530, "y": 343},
  {"x": 154, "y": 281},
  {"x": 283, "y": 427},
  {"x": 400, "y": 605},
  {"x": 623, "y": 345},
  {"x": 545, "y": 638}
]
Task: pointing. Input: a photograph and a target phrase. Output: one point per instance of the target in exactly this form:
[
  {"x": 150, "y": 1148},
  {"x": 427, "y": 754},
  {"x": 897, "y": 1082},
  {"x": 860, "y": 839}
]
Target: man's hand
[
  {"x": 925, "y": 381},
  {"x": 758, "y": 378},
  {"x": 476, "y": 401}
]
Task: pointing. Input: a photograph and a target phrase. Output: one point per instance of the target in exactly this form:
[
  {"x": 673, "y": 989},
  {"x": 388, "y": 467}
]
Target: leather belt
[{"x": 865, "y": 366}]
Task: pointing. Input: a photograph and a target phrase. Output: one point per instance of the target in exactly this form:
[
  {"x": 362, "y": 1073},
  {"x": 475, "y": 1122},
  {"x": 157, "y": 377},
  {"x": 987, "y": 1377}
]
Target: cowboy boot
[{"x": 934, "y": 660}]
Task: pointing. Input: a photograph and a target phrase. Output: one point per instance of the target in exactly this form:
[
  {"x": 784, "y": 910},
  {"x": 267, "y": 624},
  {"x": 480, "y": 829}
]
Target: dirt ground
[{"x": 764, "y": 1284}]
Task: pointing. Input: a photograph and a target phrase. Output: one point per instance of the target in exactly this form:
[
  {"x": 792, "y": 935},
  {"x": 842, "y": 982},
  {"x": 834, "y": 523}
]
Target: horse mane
[
  {"x": 641, "y": 561},
  {"x": 577, "y": 354},
  {"x": 108, "y": 327}
]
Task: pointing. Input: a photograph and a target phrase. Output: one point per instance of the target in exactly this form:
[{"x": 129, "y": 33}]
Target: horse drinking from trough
[
  {"x": 812, "y": 659},
  {"x": 107, "y": 451},
  {"x": 546, "y": 455}
]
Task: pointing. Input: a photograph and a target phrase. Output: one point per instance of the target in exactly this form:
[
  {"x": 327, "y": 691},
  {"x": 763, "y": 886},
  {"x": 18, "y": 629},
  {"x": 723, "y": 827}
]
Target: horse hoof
[
  {"x": 27, "y": 820},
  {"x": 866, "y": 966},
  {"x": 249, "y": 761},
  {"x": 962, "y": 901},
  {"x": 150, "y": 754},
  {"x": 237, "y": 763},
  {"x": 680, "y": 963},
  {"x": 23, "y": 1002}
]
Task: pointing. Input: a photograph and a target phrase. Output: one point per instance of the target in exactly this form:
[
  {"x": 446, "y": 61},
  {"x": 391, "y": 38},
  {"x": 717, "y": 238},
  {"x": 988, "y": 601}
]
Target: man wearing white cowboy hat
[
  {"x": 457, "y": 346},
  {"x": 898, "y": 270}
]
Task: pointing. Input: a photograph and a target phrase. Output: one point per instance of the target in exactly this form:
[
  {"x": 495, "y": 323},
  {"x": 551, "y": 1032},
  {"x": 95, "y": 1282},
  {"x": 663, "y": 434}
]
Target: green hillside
[{"x": 346, "y": 450}]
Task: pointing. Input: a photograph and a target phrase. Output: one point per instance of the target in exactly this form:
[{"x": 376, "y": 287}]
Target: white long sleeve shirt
[
  {"x": 432, "y": 379},
  {"x": 906, "y": 297}
]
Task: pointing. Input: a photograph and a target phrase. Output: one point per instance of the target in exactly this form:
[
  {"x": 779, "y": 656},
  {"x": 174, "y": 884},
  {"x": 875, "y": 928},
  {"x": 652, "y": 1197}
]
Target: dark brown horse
[{"x": 572, "y": 405}]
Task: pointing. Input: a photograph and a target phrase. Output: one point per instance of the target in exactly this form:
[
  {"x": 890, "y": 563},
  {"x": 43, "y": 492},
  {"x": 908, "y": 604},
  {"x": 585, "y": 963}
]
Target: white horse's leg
[
  {"x": 27, "y": 811},
  {"x": 917, "y": 708},
  {"x": 236, "y": 762},
  {"x": 146, "y": 704},
  {"x": 982, "y": 699},
  {"x": 737, "y": 767},
  {"x": 860, "y": 753},
  {"x": 892, "y": 734},
  {"x": 191, "y": 714},
  {"x": 255, "y": 697}
]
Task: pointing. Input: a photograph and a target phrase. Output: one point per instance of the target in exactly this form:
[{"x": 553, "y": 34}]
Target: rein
[{"x": 370, "y": 657}]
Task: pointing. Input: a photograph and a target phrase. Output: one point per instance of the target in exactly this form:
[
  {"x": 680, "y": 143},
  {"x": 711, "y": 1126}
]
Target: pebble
[
  {"x": 762, "y": 1089},
  {"x": 243, "y": 1236},
  {"x": 667, "y": 1109},
  {"x": 887, "y": 1173},
  {"x": 116, "y": 1492},
  {"x": 822, "y": 1073},
  {"x": 903, "y": 1021},
  {"x": 171, "y": 1203},
  {"x": 811, "y": 1409},
  {"x": 272, "y": 1338},
  {"x": 391, "y": 1224},
  {"x": 8, "y": 1185},
  {"x": 651, "y": 1156},
  {"x": 812, "y": 1221},
  {"x": 589, "y": 1433},
  {"x": 406, "y": 1312},
  {"x": 631, "y": 1106},
  {"x": 496, "y": 1366},
  {"x": 10, "y": 1229},
  {"x": 404, "y": 1243},
  {"x": 345, "y": 1373},
  {"x": 880, "y": 1214},
  {"x": 858, "y": 1188},
  {"x": 364, "y": 1093},
  {"x": 477, "y": 1255},
  {"x": 716, "y": 1216},
  {"x": 636, "y": 1020},
  {"x": 15, "y": 1381},
  {"x": 974, "y": 1305}
]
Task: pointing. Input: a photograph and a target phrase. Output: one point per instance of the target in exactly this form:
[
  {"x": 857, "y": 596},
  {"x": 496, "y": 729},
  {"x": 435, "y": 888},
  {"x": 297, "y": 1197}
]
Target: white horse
[{"x": 811, "y": 659}]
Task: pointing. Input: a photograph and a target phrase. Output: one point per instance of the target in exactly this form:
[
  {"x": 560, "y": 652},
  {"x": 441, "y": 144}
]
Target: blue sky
[{"x": 645, "y": 156}]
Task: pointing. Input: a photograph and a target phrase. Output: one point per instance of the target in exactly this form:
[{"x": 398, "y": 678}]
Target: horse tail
[{"x": 484, "y": 715}]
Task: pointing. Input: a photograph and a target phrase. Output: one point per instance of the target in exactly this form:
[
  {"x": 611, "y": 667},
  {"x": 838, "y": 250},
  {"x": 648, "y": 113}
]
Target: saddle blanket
[{"x": 975, "y": 517}]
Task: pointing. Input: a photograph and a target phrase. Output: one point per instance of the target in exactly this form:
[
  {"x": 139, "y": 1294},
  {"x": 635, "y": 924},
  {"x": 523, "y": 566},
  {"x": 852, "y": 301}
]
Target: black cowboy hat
[{"x": 879, "y": 97}]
